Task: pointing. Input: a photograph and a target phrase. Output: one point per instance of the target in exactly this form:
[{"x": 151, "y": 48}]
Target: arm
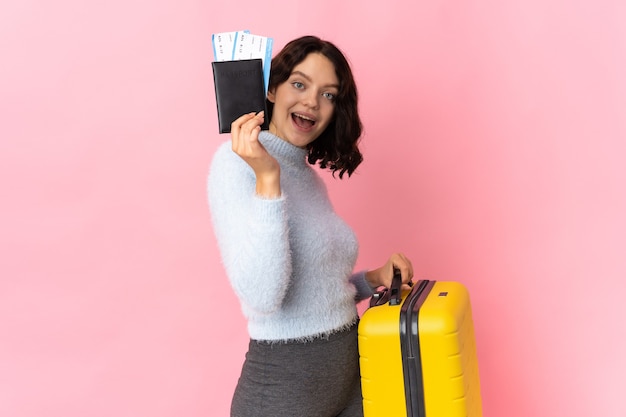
[
  {"x": 363, "y": 288},
  {"x": 251, "y": 231}
]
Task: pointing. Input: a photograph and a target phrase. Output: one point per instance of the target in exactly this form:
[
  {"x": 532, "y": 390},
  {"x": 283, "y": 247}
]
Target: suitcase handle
[
  {"x": 393, "y": 294},
  {"x": 396, "y": 288}
]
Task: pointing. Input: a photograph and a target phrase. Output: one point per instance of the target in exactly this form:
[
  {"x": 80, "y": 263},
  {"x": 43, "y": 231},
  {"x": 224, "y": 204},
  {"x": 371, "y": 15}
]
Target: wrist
[{"x": 268, "y": 185}]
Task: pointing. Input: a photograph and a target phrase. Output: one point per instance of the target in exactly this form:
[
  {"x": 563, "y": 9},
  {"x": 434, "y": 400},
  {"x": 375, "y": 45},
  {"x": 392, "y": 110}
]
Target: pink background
[{"x": 494, "y": 146}]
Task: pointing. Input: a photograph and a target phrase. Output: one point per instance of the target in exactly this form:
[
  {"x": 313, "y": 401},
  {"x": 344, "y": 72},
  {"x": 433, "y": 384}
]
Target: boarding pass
[{"x": 238, "y": 45}]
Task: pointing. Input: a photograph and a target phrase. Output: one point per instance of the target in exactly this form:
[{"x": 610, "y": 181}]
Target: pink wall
[{"x": 495, "y": 134}]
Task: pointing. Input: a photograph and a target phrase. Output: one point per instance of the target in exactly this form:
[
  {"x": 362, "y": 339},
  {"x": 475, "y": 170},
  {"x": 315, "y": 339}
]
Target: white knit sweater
[{"x": 290, "y": 259}]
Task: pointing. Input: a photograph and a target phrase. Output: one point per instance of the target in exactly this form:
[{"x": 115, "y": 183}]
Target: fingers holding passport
[
  {"x": 245, "y": 142},
  {"x": 244, "y": 133}
]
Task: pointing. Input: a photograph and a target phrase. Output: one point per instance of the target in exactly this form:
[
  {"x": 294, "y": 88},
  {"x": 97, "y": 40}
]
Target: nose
[{"x": 311, "y": 99}]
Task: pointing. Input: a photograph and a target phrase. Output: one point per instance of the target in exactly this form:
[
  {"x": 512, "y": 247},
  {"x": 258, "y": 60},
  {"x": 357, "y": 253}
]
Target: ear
[{"x": 271, "y": 95}]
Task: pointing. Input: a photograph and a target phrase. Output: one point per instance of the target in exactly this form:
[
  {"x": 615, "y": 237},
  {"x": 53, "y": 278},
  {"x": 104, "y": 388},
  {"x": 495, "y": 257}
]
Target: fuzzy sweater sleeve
[
  {"x": 251, "y": 232},
  {"x": 363, "y": 288}
]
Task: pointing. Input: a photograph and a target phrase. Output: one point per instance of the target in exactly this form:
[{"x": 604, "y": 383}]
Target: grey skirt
[{"x": 318, "y": 378}]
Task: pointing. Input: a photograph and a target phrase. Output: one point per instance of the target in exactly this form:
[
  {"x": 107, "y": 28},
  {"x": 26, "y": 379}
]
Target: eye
[
  {"x": 329, "y": 96},
  {"x": 298, "y": 85}
]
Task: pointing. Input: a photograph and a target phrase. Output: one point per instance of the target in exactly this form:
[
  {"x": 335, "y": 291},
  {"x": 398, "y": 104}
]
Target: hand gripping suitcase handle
[
  {"x": 395, "y": 291},
  {"x": 393, "y": 294}
]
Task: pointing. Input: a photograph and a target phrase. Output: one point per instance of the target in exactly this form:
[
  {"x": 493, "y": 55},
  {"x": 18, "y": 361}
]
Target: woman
[{"x": 288, "y": 256}]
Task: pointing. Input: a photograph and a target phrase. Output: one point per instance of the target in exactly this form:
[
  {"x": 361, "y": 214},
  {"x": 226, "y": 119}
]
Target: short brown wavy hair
[{"x": 337, "y": 147}]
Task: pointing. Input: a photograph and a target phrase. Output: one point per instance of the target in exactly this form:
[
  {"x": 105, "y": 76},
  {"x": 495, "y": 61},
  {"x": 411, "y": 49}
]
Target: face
[{"x": 304, "y": 104}]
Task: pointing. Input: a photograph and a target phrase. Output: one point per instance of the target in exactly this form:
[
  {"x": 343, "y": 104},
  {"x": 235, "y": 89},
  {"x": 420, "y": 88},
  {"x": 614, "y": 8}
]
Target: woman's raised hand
[{"x": 245, "y": 138}]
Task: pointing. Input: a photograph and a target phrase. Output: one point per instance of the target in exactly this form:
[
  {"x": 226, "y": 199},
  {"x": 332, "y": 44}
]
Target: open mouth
[{"x": 302, "y": 121}]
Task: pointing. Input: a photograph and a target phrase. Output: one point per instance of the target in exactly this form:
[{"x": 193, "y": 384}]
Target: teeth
[{"x": 303, "y": 117}]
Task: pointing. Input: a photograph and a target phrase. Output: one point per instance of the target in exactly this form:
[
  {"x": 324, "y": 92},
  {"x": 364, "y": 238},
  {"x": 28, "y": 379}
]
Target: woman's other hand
[{"x": 383, "y": 276}]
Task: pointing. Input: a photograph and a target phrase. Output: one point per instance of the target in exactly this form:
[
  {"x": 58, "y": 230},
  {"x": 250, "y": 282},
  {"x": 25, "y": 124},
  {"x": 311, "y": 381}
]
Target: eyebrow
[{"x": 300, "y": 73}]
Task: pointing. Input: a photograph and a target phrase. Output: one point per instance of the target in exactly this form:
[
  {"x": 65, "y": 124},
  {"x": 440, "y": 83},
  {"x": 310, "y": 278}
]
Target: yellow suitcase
[{"x": 418, "y": 353}]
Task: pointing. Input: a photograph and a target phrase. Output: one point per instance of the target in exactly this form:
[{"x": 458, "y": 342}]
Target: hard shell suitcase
[{"x": 418, "y": 353}]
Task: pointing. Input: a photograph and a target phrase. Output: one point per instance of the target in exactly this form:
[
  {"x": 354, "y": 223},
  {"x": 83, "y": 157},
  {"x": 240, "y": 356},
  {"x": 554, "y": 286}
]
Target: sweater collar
[{"x": 281, "y": 149}]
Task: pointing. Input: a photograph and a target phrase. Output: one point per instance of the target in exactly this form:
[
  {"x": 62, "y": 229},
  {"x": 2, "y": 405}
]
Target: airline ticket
[{"x": 238, "y": 45}]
